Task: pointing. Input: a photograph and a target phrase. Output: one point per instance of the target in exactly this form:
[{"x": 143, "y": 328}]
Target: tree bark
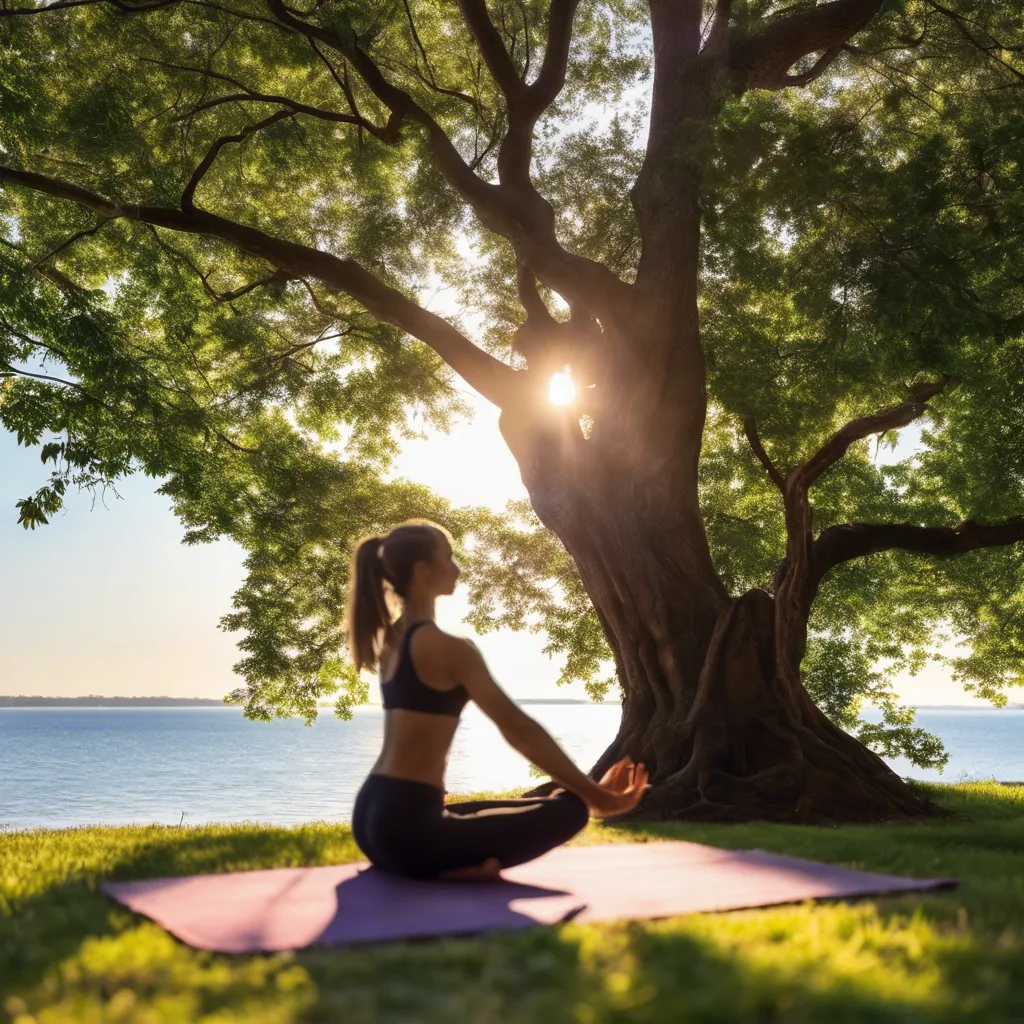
[
  {"x": 712, "y": 700},
  {"x": 747, "y": 744}
]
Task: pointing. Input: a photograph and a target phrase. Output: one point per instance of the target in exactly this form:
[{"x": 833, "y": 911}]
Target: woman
[{"x": 399, "y": 820}]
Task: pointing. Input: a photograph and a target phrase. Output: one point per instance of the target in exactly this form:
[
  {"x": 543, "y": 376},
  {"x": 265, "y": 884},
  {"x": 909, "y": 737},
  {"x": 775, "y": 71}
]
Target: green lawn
[{"x": 68, "y": 953}]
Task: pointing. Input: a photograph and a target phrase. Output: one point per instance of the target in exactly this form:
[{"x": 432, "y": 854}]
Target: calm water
[{"x": 76, "y": 766}]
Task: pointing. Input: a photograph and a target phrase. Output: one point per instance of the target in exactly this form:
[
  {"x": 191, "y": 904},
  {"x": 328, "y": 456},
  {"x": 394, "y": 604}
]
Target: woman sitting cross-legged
[{"x": 400, "y": 820}]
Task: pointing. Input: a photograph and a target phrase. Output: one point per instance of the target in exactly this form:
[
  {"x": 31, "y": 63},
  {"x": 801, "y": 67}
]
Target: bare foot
[{"x": 488, "y": 871}]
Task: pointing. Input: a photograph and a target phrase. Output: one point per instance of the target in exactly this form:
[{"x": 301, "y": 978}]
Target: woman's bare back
[{"x": 416, "y": 743}]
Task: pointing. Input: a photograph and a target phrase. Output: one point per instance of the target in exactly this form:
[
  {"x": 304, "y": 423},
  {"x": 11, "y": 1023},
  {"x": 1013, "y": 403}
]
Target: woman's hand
[{"x": 623, "y": 786}]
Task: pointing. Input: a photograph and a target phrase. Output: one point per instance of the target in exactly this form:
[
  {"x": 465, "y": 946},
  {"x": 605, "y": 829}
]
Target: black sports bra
[{"x": 405, "y": 689}]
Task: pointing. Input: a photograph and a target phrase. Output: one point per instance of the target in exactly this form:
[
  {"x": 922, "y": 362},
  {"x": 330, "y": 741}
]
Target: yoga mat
[{"x": 343, "y": 904}]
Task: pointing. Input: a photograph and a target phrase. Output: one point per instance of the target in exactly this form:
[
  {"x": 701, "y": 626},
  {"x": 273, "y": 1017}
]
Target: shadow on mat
[{"x": 376, "y": 906}]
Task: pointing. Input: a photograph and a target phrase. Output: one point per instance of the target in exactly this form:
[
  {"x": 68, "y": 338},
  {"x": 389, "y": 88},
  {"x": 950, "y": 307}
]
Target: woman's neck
[{"x": 413, "y": 611}]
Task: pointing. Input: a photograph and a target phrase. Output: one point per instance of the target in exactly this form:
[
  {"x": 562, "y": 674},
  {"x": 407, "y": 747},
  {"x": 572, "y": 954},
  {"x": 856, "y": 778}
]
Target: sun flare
[{"x": 561, "y": 390}]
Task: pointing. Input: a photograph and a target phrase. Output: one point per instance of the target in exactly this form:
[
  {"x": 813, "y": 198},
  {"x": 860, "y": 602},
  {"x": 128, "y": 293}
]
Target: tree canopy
[{"x": 222, "y": 223}]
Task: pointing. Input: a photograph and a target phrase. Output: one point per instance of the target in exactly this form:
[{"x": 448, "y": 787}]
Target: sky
[{"x": 107, "y": 600}]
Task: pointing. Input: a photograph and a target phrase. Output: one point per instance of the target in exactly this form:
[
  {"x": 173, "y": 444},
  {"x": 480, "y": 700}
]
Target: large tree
[{"x": 759, "y": 234}]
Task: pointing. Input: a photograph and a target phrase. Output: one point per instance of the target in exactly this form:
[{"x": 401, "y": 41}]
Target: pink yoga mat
[{"x": 290, "y": 908}]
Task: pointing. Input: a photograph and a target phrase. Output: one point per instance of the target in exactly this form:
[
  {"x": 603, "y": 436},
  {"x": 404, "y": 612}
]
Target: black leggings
[{"x": 404, "y": 827}]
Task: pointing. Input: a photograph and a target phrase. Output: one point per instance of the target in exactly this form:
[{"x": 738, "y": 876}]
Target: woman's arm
[{"x": 522, "y": 732}]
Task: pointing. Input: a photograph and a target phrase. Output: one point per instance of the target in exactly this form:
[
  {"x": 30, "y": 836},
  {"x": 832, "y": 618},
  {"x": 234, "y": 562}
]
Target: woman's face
[{"x": 446, "y": 569}]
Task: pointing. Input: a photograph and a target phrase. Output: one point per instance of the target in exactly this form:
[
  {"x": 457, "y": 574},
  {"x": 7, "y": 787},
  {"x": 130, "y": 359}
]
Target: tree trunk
[
  {"x": 727, "y": 732},
  {"x": 748, "y": 747}
]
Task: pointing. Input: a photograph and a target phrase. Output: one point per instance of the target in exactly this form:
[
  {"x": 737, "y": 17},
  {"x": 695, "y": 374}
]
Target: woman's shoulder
[
  {"x": 436, "y": 655},
  {"x": 435, "y": 638}
]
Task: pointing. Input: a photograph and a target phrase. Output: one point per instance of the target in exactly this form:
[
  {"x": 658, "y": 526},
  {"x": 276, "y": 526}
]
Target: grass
[{"x": 68, "y": 953}]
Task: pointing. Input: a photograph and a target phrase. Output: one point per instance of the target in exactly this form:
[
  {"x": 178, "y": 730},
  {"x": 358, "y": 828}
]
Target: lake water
[{"x": 78, "y": 766}]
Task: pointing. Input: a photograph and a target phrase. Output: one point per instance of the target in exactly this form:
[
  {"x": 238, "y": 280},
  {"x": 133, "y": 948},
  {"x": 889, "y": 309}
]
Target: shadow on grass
[{"x": 67, "y": 952}]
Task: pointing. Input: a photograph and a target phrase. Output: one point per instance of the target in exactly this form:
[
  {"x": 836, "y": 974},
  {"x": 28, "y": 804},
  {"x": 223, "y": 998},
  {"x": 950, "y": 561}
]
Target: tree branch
[
  {"x": 529, "y": 102},
  {"x": 992, "y": 51},
  {"x": 483, "y": 197},
  {"x": 51, "y": 274},
  {"x": 819, "y": 67},
  {"x": 762, "y": 59},
  {"x": 61, "y": 4},
  {"x": 493, "y": 379},
  {"x": 300, "y": 108},
  {"x": 517, "y": 211},
  {"x": 529, "y": 295},
  {"x": 549, "y": 82},
  {"x": 491, "y": 47},
  {"x": 207, "y": 161},
  {"x": 750, "y": 429},
  {"x": 277, "y": 277},
  {"x": 7, "y": 370},
  {"x": 877, "y": 423},
  {"x": 74, "y": 238},
  {"x": 839, "y": 544},
  {"x": 796, "y": 579}
]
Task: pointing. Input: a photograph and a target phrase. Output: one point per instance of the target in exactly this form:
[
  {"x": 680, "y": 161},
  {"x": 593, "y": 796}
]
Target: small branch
[
  {"x": 332, "y": 315},
  {"x": 819, "y": 68},
  {"x": 796, "y": 579},
  {"x": 74, "y": 238},
  {"x": 8, "y": 12},
  {"x": 386, "y": 134},
  {"x": 750, "y": 429},
  {"x": 526, "y": 106},
  {"x": 298, "y": 108},
  {"x": 51, "y": 274},
  {"x": 539, "y": 334},
  {"x": 551, "y": 79},
  {"x": 6, "y": 370},
  {"x": 430, "y": 79},
  {"x": 471, "y": 101},
  {"x": 478, "y": 159},
  {"x": 529, "y": 295},
  {"x": 992, "y": 51},
  {"x": 186, "y": 196},
  {"x": 416, "y": 39},
  {"x": 277, "y": 277},
  {"x": 343, "y": 80},
  {"x": 878, "y": 423}
]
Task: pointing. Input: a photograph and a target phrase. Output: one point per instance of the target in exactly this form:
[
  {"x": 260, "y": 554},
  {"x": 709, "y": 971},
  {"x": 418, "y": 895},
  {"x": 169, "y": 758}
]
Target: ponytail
[
  {"x": 375, "y": 560},
  {"x": 367, "y": 606}
]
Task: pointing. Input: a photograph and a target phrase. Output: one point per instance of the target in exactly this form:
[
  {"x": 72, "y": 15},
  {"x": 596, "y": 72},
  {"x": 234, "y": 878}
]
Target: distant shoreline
[
  {"x": 110, "y": 702},
  {"x": 96, "y": 701}
]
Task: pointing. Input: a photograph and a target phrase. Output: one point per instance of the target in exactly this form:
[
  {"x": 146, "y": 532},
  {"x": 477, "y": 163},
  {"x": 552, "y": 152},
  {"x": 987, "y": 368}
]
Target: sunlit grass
[{"x": 67, "y": 953}]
